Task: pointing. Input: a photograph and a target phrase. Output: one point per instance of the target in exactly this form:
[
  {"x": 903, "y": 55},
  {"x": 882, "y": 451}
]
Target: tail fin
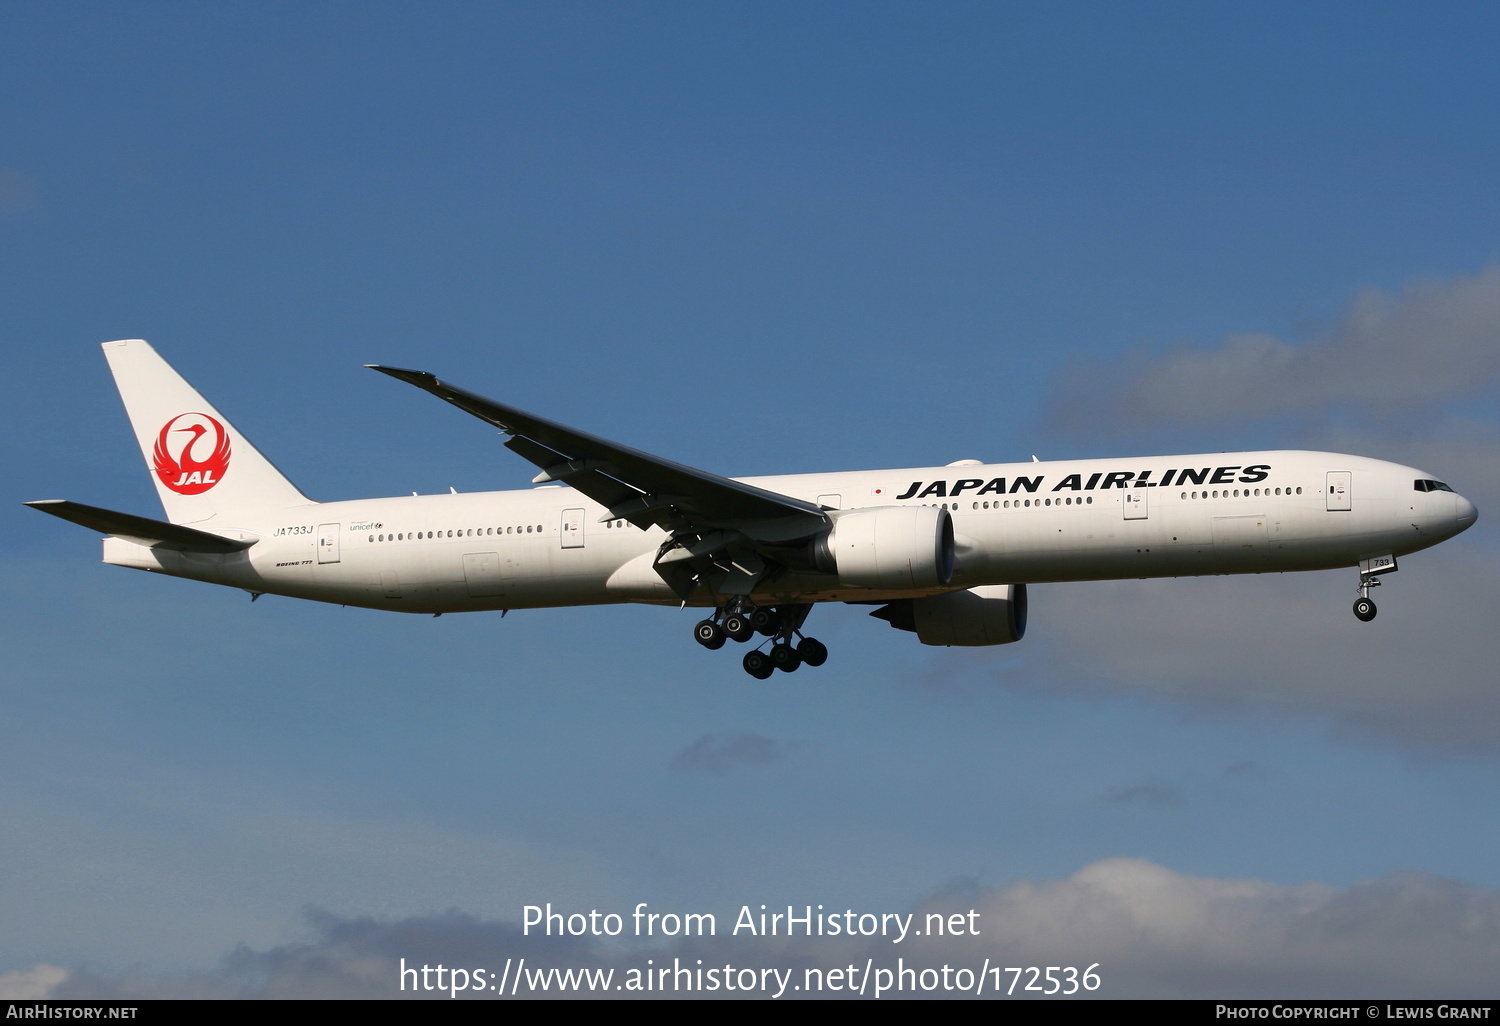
[{"x": 201, "y": 465}]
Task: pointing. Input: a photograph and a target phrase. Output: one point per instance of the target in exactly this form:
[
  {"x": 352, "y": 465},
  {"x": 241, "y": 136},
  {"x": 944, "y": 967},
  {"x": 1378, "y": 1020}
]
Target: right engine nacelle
[
  {"x": 994, "y": 614},
  {"x": 889, "y": 547}
]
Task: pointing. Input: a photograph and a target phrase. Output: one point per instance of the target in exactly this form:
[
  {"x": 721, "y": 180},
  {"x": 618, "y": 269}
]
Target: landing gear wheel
[
  {"x": 758, "y": 665},
  {"x": 785, "y": 657},
  {"x": 738, "y": 627},
  {"x": 1364, "y": 609},
  {"x": 709, "y": 634},
  {"x": 812, "y": 651},
  {"x": 765, "y": 621}
]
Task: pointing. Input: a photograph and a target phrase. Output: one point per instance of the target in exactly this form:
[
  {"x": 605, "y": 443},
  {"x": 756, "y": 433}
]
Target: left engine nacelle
[
  {"x": 994, "y": 614},
  {"x": 889, "y": 547}
]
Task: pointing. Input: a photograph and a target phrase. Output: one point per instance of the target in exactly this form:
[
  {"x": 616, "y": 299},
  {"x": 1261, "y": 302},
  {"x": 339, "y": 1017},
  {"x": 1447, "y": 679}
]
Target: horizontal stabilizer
[{"x": 141, "y": 530}]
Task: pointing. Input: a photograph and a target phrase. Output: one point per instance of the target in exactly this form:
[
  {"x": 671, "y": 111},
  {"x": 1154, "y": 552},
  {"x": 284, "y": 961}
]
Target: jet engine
[
  {"x": 994, "y": 614},
  {"x": 888, "y": 547}
]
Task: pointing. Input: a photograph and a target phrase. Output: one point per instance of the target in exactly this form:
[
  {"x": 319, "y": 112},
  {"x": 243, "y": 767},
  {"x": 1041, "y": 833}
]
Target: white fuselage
[{"x": 1159, "y": 516}]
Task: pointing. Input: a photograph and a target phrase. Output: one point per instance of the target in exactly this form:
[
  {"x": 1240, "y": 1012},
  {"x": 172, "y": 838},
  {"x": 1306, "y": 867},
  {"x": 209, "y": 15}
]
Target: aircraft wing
[
  {"x": 141, "y": 530},
  {"x": 633, "y": 485}
]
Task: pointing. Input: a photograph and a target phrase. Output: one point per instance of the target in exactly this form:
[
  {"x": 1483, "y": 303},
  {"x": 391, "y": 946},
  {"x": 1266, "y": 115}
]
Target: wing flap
[{"x": 141, "y": 530}]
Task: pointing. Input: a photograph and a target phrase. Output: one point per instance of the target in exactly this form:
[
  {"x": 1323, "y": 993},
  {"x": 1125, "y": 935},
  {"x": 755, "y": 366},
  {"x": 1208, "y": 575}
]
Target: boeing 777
[{"x": 944, "y": 552}]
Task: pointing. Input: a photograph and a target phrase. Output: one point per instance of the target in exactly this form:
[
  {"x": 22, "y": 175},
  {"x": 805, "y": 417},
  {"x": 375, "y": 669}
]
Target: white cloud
[
  {"x": 1152, "y": 932},
  {"x": 1288, "y": 643},
  {"x": 1158, "y": 933},
  {"x": 1436, "y": 341},
  {"x": 1382, "y": 382},
  {"x": 32, "y": 984}
]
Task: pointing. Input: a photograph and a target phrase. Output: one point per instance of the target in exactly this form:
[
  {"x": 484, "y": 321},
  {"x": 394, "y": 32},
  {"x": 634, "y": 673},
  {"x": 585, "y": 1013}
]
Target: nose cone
[{"x": 1465, "y": 514}]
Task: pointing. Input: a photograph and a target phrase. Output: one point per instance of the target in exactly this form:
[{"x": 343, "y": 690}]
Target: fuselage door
[
  {"x": 572, "y": 529},
  {"x": 831, "y": 501},
  {"x": 328, "y": 543},
  {"x": 1338, "y": 489},
  {"x": 1134, "y": 503}
]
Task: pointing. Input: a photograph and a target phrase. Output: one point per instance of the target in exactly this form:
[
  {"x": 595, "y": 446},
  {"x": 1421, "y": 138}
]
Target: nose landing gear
[{"x": 1370, "y": 571}]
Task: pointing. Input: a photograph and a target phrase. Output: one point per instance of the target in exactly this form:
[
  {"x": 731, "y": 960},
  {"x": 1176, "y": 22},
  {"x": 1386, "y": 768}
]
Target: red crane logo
[{"x": 184, "y": 439}]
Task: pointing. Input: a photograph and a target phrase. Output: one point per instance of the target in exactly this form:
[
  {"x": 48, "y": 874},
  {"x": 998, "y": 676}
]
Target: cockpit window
[{"x": 1423, "y": 485}]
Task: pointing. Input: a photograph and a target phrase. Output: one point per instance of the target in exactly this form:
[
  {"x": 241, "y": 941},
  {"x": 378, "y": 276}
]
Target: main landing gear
[
  {"x": 1369, "y": 577},
  {"x": 782, "y": 624}
]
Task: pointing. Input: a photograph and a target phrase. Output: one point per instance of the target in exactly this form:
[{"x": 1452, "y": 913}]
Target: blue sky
[{"x": 755, "y": 238}]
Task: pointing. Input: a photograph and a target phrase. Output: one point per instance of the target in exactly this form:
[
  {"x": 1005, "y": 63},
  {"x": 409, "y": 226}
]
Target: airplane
[{"x": 942, "y": 552}]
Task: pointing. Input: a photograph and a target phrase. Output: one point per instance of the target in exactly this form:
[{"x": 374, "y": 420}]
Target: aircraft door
[
  {"x": 572, "y": 529},
  {"x": 1134, "y": 504},
  {"x": 1338, "y": 489},
  {"x": 831, "y": 501},
  {"x": 328, "y": 543}
]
